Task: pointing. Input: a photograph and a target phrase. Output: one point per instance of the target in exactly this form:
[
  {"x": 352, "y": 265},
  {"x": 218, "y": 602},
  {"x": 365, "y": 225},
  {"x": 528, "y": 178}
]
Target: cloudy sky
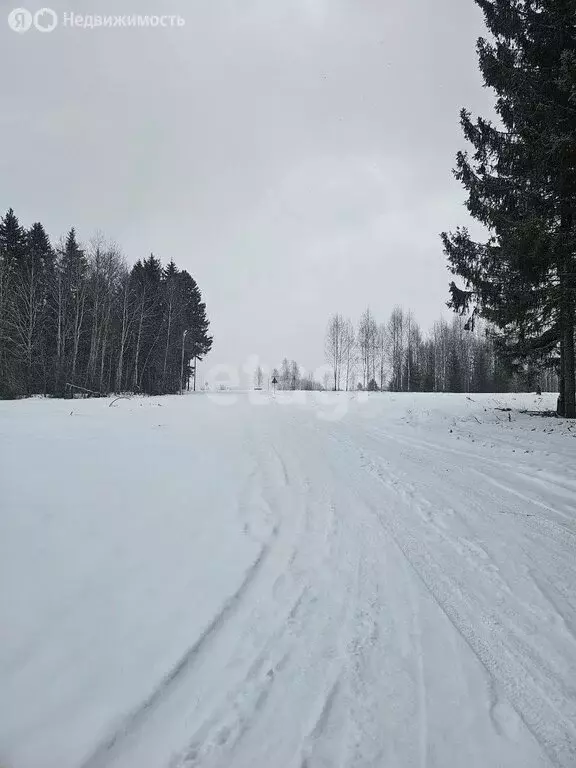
[{"x": 294, "y": 155}]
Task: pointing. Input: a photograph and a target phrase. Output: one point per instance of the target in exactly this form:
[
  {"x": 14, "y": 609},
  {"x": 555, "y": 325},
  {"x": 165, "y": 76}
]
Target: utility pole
[{"x": 182, "y": 364}]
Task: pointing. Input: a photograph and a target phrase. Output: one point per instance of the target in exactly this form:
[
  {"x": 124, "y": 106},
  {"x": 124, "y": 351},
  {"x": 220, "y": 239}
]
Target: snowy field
[{"x": 243, "y": 582}]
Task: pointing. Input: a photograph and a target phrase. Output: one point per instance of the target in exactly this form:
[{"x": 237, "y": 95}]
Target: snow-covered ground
[{"x": 238, "y": 581}]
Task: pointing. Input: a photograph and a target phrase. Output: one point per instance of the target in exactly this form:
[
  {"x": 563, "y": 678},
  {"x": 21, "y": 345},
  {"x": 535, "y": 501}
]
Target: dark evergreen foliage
[
  {"x": 521, "y": 184},
  {"x": 79, "y": 321}
]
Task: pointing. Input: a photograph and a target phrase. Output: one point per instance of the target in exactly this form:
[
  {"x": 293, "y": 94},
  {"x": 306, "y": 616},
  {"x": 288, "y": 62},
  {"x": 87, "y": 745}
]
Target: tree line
[
  {"x": 521, "y": 185},
  {"x": 398, "y": 356},
  {"x": 75, "y": 319},
  {"x": 289, "y": 377}
]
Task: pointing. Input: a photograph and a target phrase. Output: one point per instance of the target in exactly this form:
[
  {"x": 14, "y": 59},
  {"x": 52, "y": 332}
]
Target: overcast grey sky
[{"x": 294, "y": 155}]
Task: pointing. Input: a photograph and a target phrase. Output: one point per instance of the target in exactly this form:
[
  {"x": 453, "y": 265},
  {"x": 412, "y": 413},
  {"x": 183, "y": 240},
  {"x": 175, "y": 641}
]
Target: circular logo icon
[
  {"x": 20, "y": 20},
  {"x": 45, "y": 20}
]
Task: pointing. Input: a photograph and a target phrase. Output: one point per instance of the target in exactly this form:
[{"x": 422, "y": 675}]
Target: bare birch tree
[
  {"x": 335, "y": 347},
  {"x": 367, "y": 346},
  {"x": 395, "y": 337},
  {"x": 349, "y": 354}
]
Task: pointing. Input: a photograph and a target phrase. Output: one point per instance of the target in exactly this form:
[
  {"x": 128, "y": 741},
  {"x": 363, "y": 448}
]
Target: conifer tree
[
  {"x": 30, "y": 314},
  {"x": 171, "y": 302},
  {"x": 12, "y": 240},
  {"x": 73, "y": 269},
  {"x": 12, "y": 254},
  {"x": 195, "y": 321},
  {"x": 521, "y": 184},
  {"x": 76, "y": 322}
]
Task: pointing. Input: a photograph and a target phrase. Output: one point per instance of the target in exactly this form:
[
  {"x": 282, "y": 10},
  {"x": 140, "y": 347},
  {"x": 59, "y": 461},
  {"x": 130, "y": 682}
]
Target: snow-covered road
[{"x": 242, "y": 582}]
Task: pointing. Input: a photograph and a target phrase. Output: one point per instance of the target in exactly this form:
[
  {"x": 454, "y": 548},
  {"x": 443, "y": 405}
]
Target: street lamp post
[{"x": 182, "y": 364}]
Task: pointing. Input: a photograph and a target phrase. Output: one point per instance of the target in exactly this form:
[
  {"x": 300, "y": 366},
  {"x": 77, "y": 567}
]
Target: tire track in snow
[
  {"x": 547, "y": 594},
  {"x": 224, "y": 725},
  {"x": 282, "y": 466},
  {"x": 545, "y": 527},
  {"x": 443, "y": 590},
  {"x": 524, "y": 687},
  {"x": 134, "y": 719},
  {"x": 536, "y": 502},
  {"x": 499, "y": 466},
  {"x": 225, "y": 740},
  {"x": 243, "y": 704},
  {"x": 321, "y": 723},
  {"x": 422, "y": 705}
]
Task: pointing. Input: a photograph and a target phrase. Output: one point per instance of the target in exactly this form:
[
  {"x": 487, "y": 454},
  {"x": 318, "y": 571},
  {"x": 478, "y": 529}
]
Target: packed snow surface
[{"x": 299, "y": 581}]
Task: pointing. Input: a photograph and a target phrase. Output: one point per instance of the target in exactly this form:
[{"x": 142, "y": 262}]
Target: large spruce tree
[
  {"x": 194, "y": 317},
  {"x": 33, "y": 332},
  {"x": 521, "y": 184},
  {"x": 12, "y": 255}
]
